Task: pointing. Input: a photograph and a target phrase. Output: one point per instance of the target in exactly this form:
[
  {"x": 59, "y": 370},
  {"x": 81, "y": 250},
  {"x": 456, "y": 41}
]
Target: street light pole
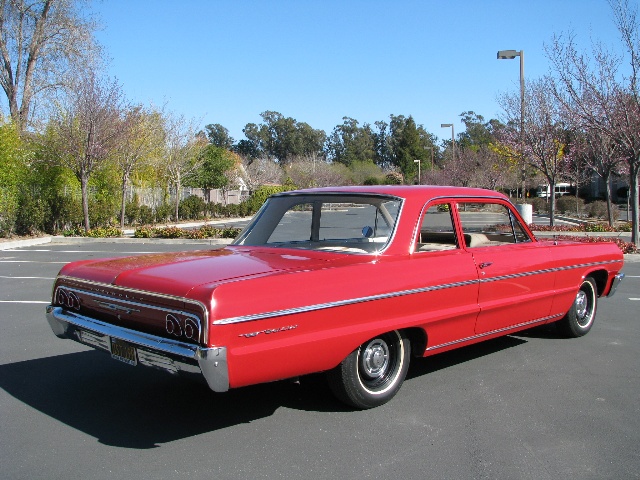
[
  {"x": 453, "y": 142},
  {"x": 510, "y": 55}
]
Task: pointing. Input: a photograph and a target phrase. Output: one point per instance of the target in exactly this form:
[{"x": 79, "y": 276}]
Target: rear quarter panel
[
  {"x": 575, "y": 261},
  {"x": 316, "y": 318}
]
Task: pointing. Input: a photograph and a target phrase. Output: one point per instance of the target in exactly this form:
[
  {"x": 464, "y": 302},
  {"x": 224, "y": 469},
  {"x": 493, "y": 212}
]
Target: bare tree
[
  {"x": 311, "y": 171},
  {"x": 42, "y": 44},
  {"x": 600, "y": 155},
  {"x": 262, "y": 171},
  {"x": 601, "y": 97},
  {"x": 545, "y": 133},
  {"x": 181, "y": 158},
  {"x": 494, "y": 170},
  {"x": 141, "y": 143},
  {"x": 88, "y": 130}
]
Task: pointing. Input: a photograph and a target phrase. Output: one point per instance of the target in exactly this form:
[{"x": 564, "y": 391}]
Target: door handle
[{"x": 485, "y": 265}]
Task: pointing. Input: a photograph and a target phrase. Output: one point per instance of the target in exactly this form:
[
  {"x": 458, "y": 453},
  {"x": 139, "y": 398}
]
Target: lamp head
[{"x": 507, "y": 54}]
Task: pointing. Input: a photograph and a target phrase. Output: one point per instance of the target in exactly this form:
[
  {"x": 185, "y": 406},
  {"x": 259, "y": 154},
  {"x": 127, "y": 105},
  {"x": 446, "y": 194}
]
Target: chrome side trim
[
  {"x": 172, "y": 356},
  {"x": 340, "y": 303},
  {"x": 614, "y": 284},
  {"x": 493, "y": 332},
  {"x": 383, "y": 296}
]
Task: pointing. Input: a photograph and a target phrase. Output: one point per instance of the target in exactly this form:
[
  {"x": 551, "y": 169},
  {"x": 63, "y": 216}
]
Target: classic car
[{"x": 351, "y": 281}]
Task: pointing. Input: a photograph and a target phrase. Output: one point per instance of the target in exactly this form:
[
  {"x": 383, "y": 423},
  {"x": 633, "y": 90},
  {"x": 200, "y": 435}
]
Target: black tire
[
  {"x": 580, "y": 317},
  {"x": 373, "y": 373}
]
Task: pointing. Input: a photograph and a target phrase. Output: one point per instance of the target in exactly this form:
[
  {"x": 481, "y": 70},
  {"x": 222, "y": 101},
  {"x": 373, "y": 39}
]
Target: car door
[
  {"x": 448, "y": 276},
  {"x": 516, "y": 279}
]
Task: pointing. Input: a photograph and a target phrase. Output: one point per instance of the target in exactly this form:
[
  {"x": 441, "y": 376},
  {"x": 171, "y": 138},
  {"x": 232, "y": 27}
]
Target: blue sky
[{"x": 226, "y": 61}]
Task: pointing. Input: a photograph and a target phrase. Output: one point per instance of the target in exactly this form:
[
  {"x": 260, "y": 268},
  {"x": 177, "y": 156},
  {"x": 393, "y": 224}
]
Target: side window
[
  {"x": 436, "y": 230},
  {"x": 489, "y": 224}
]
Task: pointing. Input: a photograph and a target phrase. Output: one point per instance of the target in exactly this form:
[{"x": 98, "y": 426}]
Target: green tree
[
  {"x": 219, "y": 136},
  {"x": 478, "y": 133},
  {"x": 14, "y": 162},
  {"x": 349, "y": 143},
  {"x": 214, "y": 164},
  {"x": 408, "y": 145},
  {"x": 282, "y": 138}
]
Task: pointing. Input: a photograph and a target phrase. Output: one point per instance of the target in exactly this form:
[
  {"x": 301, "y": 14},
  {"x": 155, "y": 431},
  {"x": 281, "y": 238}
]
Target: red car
[{"x": 350, "y": 281}]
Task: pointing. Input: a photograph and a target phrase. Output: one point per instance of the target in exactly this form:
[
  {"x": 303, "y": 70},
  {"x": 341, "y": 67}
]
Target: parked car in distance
[{"x": 351, "y": 281}]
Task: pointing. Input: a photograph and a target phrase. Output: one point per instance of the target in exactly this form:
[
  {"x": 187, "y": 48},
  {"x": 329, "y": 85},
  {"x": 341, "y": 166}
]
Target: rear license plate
[{"x": 123, "y": 351}]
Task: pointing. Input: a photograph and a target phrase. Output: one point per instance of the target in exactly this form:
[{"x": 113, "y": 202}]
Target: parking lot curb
[
  {"x": 59, "y": 240},
  {"x": 29, "y": 242}
]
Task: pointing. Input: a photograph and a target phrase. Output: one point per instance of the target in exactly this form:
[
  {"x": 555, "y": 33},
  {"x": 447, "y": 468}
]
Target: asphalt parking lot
[{"x": 531, "y": 406}]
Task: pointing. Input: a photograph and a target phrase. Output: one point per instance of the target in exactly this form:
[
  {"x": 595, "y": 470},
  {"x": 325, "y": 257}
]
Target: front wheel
[
  {"x": 373, "y": 373},
  {"x": 579, "y": 319}
]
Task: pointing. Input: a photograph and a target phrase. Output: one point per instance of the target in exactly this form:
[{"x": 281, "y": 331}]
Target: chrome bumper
[
  {"x": 614, "y": 284},
  {"x": 169, "y": 355}
]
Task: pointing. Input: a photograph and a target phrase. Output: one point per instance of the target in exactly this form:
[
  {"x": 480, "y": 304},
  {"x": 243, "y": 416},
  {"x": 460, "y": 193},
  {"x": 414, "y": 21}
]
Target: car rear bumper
[{"x": 151, "y": 351}]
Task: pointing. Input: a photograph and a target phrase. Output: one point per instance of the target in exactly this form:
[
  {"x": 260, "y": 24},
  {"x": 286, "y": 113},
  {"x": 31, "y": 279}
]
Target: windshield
[{"x": 338, "y": 222}]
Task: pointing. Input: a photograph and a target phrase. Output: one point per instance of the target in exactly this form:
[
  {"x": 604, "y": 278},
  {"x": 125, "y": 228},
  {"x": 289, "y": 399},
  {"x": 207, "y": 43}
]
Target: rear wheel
[
  {"x": 373, "y": 373},
  {"x": 579, "y": 319}
]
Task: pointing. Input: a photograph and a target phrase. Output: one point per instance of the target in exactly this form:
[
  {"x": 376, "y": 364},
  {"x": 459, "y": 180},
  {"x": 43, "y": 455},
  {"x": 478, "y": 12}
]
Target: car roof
[{"x": 410, "y": 192}]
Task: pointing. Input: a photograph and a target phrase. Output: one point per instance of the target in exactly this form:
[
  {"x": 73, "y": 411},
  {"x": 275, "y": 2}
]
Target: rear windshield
[{"x": 339, "y": 223}]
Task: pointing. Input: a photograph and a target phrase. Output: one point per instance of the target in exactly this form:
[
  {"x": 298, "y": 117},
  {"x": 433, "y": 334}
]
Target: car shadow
[
  {"x": 424, "y": 366},
  {"x": 547, "y": 331},
  {"x": 141, "y": 408}
]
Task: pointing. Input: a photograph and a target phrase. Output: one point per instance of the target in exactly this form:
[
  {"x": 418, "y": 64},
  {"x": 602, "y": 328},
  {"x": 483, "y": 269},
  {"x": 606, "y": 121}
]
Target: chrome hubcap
[
  {"x": 375, "y": 358},
  {"x": 581, "y": 304}
]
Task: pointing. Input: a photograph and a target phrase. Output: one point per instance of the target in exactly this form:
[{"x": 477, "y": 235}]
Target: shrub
[
  {"x": 230, "y": 232},
  {"x": 8, "y": 211},
  {"x": 146, "y": 215},
  {"x": 393, "y": 178},
  {"x": 102, "y": 212},
  {"x": 99, "y": 232},
  {"x": 143, "y": 232},
  {"x": 163, "y": 212},
  {"x": 371, "y": 181},
  {"x": 569, "y": 205},
  {"x": 540, "y": 205},
  {"x": 192, "y": 208},
  {"x": 104, "y": 232},
  {"x": 598, "y": 209},
  {"x": 624, "y": 227},
  {"x": 31, "y": 214},
  {"x": 260, "y": 195},
  {"x": 206, "y": 231},
  {"x": 132, "y": 212},
  {"x": 625, "y": 247}
]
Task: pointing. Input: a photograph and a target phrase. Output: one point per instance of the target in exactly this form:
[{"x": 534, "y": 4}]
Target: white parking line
[
  {"x": 29, "y": 261},
  {"x": 76, "y": 251},
  {"x": 29, "y": 278},
  {"x": 24, "y": 301}
]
